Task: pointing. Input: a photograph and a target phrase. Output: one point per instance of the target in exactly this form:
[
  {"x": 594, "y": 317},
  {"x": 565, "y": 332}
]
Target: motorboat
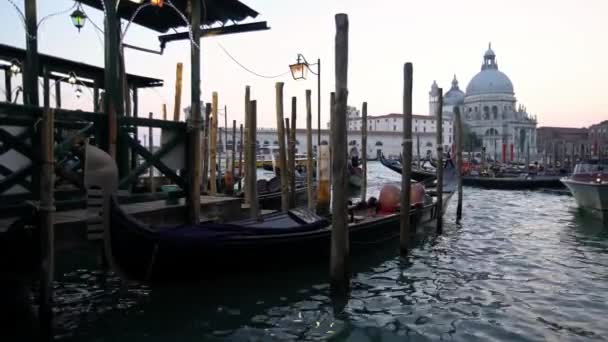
[{"x": 589, "y": 185}]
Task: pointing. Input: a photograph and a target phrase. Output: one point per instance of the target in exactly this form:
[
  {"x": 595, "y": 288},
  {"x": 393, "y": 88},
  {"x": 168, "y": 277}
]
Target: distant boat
[
  {"x": 589, "y": 186},
  {"x": 417, "y": 175}
]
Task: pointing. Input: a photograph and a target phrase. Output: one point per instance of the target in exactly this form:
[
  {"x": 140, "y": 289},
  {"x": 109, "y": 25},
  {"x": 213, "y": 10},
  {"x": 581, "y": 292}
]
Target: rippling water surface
[{"x": 522, "y": 266}]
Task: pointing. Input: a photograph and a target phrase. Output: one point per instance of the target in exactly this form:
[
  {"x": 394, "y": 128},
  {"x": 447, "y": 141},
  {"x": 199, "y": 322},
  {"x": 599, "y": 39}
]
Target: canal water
[{"x": 522, "y": 266}]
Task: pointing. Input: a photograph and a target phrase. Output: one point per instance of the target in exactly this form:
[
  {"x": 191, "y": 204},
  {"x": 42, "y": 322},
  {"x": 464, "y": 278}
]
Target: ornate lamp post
[{"x": 299, "y": 70}]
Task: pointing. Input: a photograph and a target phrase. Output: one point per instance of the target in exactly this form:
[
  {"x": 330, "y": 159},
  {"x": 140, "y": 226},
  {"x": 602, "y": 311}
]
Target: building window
[
  {"x": 450, "y": 139},
  {"x": 486, "y": 113},
  {"x": 424, "y": 121},
  {"x": 416, "y": 129},
  {"x": 470, "y": 109},
  {"x": 394, "y": 128},
  {"x": 424, "y": 129},
  {"x": 475, "y": 109},
  {"x": 385, "y": 120},
  {"x": 495, "y": 112}
]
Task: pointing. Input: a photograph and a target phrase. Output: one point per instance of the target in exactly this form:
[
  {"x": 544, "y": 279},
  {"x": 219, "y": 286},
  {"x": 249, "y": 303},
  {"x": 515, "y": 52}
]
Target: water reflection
[{"x": 522, "y": 266}]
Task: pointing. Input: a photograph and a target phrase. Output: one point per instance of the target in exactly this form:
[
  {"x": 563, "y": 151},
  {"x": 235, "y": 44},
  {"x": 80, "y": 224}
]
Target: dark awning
[
  {"x": 81, "y": 70},
  {"x": 165, "y": 18}
]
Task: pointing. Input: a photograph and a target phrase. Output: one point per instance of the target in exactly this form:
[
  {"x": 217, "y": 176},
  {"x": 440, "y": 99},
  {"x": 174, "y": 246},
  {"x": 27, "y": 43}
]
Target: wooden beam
[
  {"x": 459, "y": 141},
  {"x": 292, "y": 154},
  {"x": 113, "y": 97},
  {"x": 205, "y": 148},
  {"x": 212, "y": 32},
  {"x": 339, "y": 267},
  {"x": 245, "y": 144}
]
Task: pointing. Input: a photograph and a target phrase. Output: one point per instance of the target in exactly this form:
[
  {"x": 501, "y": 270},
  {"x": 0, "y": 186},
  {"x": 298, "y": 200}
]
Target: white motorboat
[{"x": 589, "y": 185}]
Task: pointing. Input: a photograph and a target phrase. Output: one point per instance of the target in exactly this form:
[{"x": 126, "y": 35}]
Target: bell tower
[{"x": 434, "y": 99}]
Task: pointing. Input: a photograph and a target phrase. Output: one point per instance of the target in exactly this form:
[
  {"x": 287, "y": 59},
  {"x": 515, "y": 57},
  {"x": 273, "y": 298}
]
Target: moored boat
[
  {"x": 417, "y": 175},
  {"x": 523, "y": 182},
  {"x": 589, "y": 186}
]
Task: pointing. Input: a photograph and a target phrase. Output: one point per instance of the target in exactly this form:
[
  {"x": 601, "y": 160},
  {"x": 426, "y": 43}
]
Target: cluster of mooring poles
[{"x": 339, "y": 267}]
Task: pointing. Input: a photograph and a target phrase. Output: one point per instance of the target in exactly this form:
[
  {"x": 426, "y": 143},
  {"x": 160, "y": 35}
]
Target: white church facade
[{"x": 489, "y": 109}]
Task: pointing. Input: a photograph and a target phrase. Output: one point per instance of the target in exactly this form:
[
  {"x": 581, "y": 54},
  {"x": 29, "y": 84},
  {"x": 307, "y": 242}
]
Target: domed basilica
[{"x": 489, "y": 109}]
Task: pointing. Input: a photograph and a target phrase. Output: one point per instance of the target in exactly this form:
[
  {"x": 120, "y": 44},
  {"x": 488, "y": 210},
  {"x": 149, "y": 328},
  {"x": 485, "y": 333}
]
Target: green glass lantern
[{"x": 78, "y": 17}]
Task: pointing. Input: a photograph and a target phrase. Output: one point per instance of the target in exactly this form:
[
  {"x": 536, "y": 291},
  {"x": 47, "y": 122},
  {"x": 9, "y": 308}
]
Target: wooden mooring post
[
  {"x": 439, "y": 133},
  {"x": 406, "y": 151},
  {"x": 194, "y": 129},
  {"x": 292, "y": 154},
  {"x": 205, "y": 148},
  {"x": 47, "y": 209},
  {"x": 251, "y": 167},
  {"x": 245, "y": 144},
  {"x": 364, "y": 150},
  {"x": 213, "y": 146},
  {"x": 459, "y": 142},
  {"x": 225, "y": 148},
  {"x": 309, "y": 164},
  {"x": 241, "y": 157},
  {"x": 178, "y": 91},
  {"x": 339, "y": 267},
  {"x": 233, "y": 150},
  {"x": 151, "y": 148},
  {"x": 289, "y": 173},
  {"x": 282, "y": 151}
]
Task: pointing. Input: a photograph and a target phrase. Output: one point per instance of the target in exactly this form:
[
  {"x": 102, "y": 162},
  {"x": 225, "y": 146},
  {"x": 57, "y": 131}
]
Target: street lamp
[
  {"x": 299, "y": 70},
  {"x": 15, "y": 67},
  {"x": 78, "y": 17}
]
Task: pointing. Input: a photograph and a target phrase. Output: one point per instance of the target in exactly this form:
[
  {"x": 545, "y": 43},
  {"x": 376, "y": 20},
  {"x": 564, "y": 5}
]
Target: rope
[
  {"x": 56, "y": 14},
  {"x": 247, "y": 69}
]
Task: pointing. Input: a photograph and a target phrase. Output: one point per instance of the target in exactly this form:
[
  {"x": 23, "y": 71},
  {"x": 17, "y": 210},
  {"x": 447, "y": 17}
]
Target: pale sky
[{"x": 554, "y": 51}]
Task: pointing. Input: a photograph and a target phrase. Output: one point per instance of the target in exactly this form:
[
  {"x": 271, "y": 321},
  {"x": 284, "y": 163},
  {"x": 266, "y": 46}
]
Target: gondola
[
  {"x": 417, "y": 175},
  {"x": 514, "y": 183},
  {"x": 185, "y": 252}
]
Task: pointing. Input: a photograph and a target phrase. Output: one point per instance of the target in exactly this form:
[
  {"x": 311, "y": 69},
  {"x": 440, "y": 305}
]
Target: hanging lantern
[
  {"x": 299, "y": 70},
  {"x": 78, "y": 17},
  {"x": 72, "y": 78},
  {"x": 78, "y": 92},
  {"x": 15, "y": 67},
  {"x": 157, "y": 3}
]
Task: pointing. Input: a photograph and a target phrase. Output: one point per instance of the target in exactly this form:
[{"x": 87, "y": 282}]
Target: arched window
[
  {"x": 491, "y": 132},
  {"x": 352, "y": 143},
  {"x": 276, "y": 142},
  {"x": 379, "y": 143},
  {"x": 495, "y": 112},
  {"x": 486, "y": 113},
  {"x": 324, "y": 142},
  {"x": 266, "y": 142},
  {"x": 470, "y": 109},
  {"x": 429, "y": 144}
]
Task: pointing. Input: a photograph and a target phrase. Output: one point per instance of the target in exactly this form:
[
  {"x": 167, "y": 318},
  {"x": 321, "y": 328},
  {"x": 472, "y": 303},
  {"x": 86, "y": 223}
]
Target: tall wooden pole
[
  {"x": 241, "y": 157},
  {"x": 339, "y": 268},
  {"x": 164, "y": 109},
  {"x": 8, "y": 88},
  {"x": 205, "y": 148},
  {"x": 324, "y": 170},
  {"x": 213, "y": 146},
  {"x": 245, "y": 144},
  {"x": 251, "y": 168},
  {"x": 292, "y": 154},
  {"x": 233, "y": 165},
  {"x": 194, "y": 131},
  {"x": 459, "y": 142},
  {"x": 318, "y": 103},
  {"x": 282, "y": 151},
  {"x": 178, "y": 91},
  {"x": 151, "y": 148},
  {"x": 226, "y": 136},
  {"x": 30, "y": 69},
  {"x": 309, "y": 165},
  {"x": 47, "y": 209},
  {"x": 57, "y": 94},
  {"x": 113, "y": 101},
  {"x": 406, "y": 152},
  {"x": 439, "y": 143},
  {"x": 364, "y": 150}
]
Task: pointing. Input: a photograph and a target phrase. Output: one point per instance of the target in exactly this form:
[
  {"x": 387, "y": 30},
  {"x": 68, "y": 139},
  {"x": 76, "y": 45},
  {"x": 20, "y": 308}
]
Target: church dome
[
  {"x": 454, "y": 96},
  {"x": 490, "y": 80}
]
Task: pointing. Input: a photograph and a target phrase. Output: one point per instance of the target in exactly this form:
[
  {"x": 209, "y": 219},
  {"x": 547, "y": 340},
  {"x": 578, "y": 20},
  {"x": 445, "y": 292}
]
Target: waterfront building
[
  {"x": 489, "y": 109},
  {"x": 561, "y": 144},
  {"x": 598, "y": 138}
]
